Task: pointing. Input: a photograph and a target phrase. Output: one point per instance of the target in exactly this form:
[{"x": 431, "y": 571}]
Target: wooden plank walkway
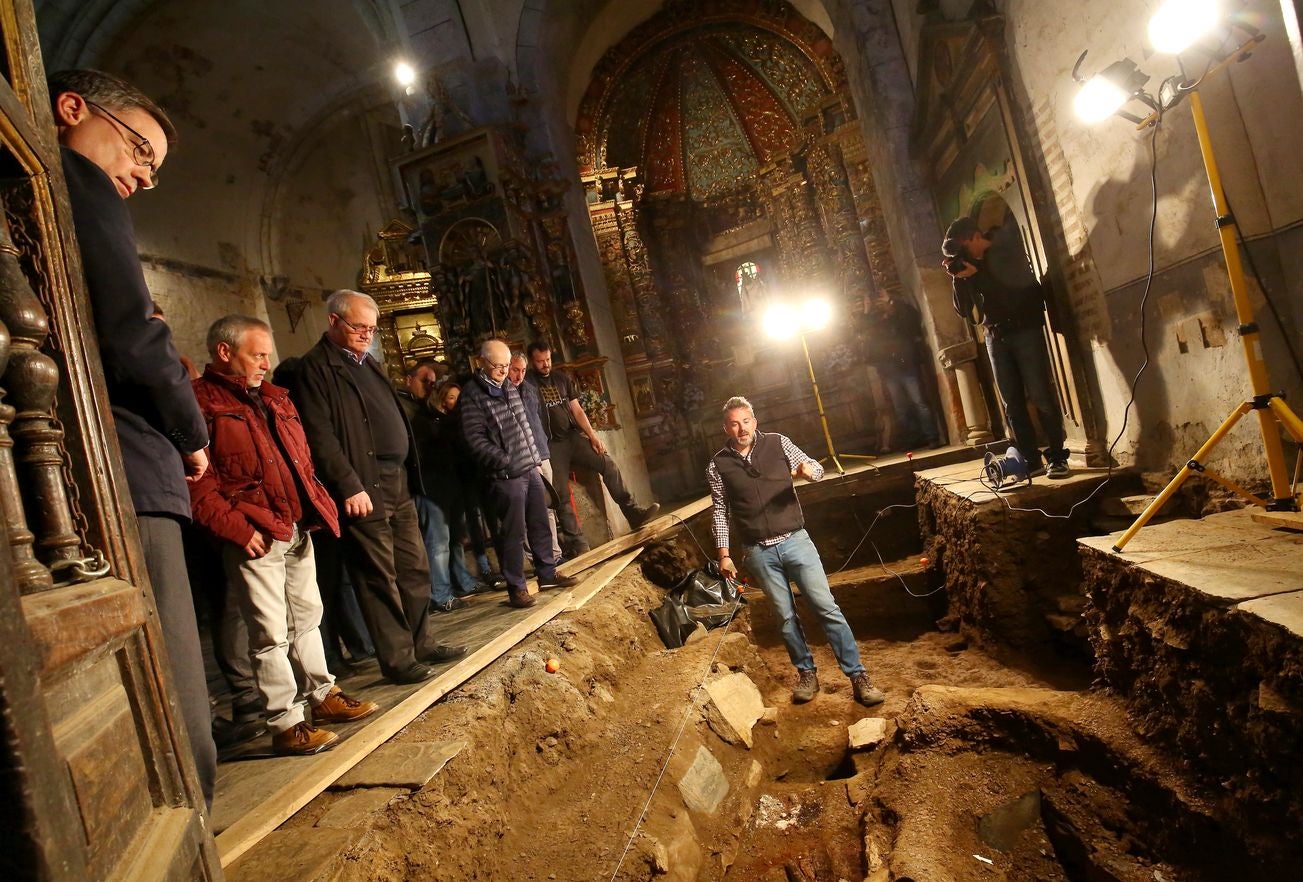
[{"x": 257, "y": 791}]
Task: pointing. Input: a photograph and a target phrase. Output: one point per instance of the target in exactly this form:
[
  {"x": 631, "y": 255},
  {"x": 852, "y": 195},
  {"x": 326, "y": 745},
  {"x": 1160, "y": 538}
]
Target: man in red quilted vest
[{"x": 260, "y": 499}]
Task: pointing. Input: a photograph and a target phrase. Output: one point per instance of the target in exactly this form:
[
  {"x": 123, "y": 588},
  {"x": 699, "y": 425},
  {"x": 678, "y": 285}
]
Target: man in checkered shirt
[{"x": 752, "y": 491}]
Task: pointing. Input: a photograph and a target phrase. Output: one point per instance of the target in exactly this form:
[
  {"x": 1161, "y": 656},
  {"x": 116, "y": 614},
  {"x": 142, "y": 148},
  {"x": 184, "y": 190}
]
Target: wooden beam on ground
[
  {"x": 326, "y": 768},
  {"x": 599, "y": 579},
  {"x": 621, "y": 544}
]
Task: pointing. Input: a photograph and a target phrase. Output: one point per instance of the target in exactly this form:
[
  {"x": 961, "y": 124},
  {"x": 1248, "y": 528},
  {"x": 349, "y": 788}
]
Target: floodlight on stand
[
  {"x": 1274, "y": 415},
  {"x": 1179, "y": 23},
  {"x": 1104, "y": 94}
]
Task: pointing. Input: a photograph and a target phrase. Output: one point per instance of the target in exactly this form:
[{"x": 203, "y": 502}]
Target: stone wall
[{"x": 1012, "y": 575}]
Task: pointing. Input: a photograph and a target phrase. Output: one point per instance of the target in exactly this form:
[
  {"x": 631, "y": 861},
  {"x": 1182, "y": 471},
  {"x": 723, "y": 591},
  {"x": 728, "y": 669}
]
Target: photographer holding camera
[{"x": 996, "y": 288}]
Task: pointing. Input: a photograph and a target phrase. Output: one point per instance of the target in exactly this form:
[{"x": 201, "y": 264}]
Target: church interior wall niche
[{"x": 724, "y": 168}]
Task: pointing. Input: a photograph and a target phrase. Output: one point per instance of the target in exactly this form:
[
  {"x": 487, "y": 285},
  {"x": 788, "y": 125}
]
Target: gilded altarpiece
[
  {"x": 491, "y": 222},
  {"x": 724, "y": 168}
]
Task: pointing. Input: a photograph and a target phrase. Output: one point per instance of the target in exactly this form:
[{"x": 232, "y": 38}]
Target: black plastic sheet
[{"x": 702, "y": 598}]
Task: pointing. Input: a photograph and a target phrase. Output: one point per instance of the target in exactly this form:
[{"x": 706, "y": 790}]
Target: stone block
[
  {"x": 302, "y": 853},
  {"x": 355, "y": 808},
  {"x": 410, "y": 766},
  {"x": 704, "y": 786},
  {"x": 732, "y": 705},
  {"x": 868, "y": 733}
]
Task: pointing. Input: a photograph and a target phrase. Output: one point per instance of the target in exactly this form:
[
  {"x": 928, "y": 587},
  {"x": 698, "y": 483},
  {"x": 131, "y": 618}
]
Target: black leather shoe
[
  {"x": 443, "y": 652},
  {"x": 413, "y": 673},
  {"x": 558, "y": 581}
]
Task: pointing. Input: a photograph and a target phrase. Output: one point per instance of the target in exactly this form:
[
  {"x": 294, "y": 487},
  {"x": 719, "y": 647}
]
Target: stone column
[{"x": 961, "y": 359}]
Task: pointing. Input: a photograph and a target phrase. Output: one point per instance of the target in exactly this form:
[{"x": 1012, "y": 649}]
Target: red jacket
[{"x": 249, "y": 484}]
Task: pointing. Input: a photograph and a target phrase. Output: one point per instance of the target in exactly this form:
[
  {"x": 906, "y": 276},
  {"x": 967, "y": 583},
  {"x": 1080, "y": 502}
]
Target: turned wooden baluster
[
  {"x": 28, "y": 572},
  {"x": 32, "y": 377}
]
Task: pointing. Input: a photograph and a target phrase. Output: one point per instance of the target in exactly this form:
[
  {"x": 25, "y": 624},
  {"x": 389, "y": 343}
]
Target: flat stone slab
[
  {"x": 1227, "y": 557},
  {"x": 732, "y": 706},
  {"x": 355, "y": 808},
  {"x": 867, "y": 733},
  {"x": 301, "y": 853},
  {"x": 1235, "y": 573},
  {"x": 410, "y": 766},
  {"x": 704, "y": 786},
  {"x": 1185, "y": 537},
  {"x": 961, "y": 479},
  {"x": 1285, "y": 610}
]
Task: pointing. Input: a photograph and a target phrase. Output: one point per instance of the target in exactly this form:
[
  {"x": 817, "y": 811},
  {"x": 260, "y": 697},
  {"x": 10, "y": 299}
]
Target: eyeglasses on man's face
[
  {"x": 141, "y": 151},
  {"x": 360, "y": 330},
  {"x": 493, "y": 365}
]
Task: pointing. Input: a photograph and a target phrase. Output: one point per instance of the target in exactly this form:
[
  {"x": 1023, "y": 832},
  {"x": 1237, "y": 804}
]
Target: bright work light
[
  {"x": 404, "y": 73},
  {"x": 1179, "y": 23},
  {"x": 782, "y": 321},
  {"x": 1098, "y": 99}
]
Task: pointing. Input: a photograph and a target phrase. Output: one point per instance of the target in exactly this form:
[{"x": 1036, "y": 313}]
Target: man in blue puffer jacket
[{"x": 496, "y": 427}]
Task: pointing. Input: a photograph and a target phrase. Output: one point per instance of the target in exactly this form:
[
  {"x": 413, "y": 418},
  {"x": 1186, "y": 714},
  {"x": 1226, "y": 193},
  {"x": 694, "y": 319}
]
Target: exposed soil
[{"x": 987, "y": 772}]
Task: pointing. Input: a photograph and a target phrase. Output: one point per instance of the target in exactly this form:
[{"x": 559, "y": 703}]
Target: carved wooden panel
[{"x": 96, "y": 776}]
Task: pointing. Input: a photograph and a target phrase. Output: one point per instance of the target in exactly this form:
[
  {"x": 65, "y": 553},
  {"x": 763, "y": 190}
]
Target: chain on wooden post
[{"x": 20, "y": 209}]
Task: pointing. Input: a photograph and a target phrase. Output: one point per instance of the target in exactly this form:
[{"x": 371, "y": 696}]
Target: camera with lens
[{"x": 955, "y": 265}]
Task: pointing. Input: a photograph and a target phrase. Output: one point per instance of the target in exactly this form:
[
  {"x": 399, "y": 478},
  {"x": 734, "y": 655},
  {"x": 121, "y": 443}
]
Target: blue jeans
[
  {"x": 795, "y": 559},
  {"x": 434, "y": 530},
  {"x": 913, "y": 415},
  {"x": 1022, "y": 374}
]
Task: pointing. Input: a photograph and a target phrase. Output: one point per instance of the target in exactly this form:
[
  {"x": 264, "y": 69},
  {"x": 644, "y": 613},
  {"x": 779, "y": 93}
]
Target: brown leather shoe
[
  {"x": 520, "y": 599},
  {"x": 303, "y": 740},
  {"x": 337, "y": 707}
]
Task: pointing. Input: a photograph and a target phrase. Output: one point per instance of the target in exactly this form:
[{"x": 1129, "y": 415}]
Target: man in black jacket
[
  {"x": 995, "y": 287},
  {"x": 496, "y": 428},
  {"x": 751, "y": 492},
  {"x": 114, "y": 140},
  {"x": 365, "y": 455}
]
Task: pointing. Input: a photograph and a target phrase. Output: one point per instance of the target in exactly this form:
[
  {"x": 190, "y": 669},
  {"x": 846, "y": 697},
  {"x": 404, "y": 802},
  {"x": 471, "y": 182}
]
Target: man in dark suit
[
  {"x": 365, "y": 454},
  {"x": 114, "y": 140}
]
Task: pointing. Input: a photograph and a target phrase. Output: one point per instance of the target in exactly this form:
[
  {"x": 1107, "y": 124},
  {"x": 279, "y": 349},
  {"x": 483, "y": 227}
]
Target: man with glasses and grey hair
[
  {"x": 114, "y": 139},
  {"x": 752, "y": 491},
  {"x": 365, "y": 454}
]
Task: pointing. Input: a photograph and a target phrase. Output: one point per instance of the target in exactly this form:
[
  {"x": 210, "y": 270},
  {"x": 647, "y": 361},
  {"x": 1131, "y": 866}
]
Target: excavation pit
[{"x": 610, "y": 769}]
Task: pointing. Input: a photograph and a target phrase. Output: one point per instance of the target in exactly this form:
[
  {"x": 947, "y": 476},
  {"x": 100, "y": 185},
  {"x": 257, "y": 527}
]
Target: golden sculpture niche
[{"x": 395, "y": 274}]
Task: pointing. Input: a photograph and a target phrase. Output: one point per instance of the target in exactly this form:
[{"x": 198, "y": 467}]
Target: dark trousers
[
  {"x": 574, "y": 452},
  {"x": 342, "y": 622},
  {"x": 386, "y": 562},
  {"x": 160, "y": 538},
  {"x": 521, "y": 507},
  {"x": 1022, "y": 374}
]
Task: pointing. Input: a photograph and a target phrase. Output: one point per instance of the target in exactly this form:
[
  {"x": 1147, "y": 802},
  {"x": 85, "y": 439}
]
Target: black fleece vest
[{"x": 761, "y": 497}]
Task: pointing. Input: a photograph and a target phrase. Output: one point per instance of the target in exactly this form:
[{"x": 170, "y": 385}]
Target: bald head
[{"x": 495, "y": 359}]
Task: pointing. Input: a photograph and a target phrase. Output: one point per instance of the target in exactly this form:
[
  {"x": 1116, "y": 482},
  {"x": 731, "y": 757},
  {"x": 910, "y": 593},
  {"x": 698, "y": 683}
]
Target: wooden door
[{"x": 96, "y": 777}]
